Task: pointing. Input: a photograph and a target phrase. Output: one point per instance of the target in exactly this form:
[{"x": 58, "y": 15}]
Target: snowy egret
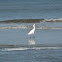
[{"x": 32, "y": 31}]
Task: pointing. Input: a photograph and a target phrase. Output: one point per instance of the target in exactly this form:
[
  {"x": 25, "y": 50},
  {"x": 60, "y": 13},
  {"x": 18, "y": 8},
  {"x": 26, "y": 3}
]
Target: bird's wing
[{"x": 31, "y": 32}]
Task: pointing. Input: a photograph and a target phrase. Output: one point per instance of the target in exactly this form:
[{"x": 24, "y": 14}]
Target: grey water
[
  {"x": 20, "y": 35},
  {"x": 31, "y": 56},
  {"x": 30, "y": 9},
  {"x": 16, "y": 45}
]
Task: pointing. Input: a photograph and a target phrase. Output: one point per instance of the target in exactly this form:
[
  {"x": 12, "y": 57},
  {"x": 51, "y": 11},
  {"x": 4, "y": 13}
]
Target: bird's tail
[{"x": 28, "y": 33}]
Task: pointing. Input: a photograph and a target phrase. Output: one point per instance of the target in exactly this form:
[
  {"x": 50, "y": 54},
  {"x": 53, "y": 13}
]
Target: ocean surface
[
  {"x": 30, "y": 9},
  {"x": 16, "y": 45}
]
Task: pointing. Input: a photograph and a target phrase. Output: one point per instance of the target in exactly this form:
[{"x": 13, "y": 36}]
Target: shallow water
[
  {"x": 20, "y": 35},
  {"x": 17, "y": 46},
  {"x": 31, "y": 56}
]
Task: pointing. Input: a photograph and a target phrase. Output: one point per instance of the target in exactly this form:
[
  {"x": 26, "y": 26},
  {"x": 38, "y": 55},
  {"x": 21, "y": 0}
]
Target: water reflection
[{"x": 31, "y": 41}]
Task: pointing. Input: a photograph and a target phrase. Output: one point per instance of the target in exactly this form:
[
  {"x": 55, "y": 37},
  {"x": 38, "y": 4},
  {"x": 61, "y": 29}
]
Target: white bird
[{"x": 32, "y": 31}]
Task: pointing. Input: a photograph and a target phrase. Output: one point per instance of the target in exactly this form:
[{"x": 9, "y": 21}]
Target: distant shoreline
[{"x": 31, "y": 20}]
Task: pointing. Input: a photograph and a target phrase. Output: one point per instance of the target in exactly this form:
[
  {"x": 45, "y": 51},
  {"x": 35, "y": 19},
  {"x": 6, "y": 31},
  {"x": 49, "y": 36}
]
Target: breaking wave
[
  {"x": 27, "y": 47},
  {"x": 16, "y": 24},
  {"x": 31, "y": 20}
]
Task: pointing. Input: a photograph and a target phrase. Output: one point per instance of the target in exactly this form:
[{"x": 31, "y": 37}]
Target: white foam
[
  {"x": 26, "y": 48},
  {"x": 25, "y": 27},
  {"x": 54, "y": 20},
  {"x": 50, "y": 28},
  {"x": 12, "y": 49},
  {"x": 14, "y": 27}
]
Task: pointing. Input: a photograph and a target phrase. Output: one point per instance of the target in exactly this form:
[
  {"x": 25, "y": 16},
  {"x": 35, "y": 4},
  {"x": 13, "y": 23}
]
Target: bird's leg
[
  {"x": 33, "y": 36},
  {"x": 29, "y": 36}
]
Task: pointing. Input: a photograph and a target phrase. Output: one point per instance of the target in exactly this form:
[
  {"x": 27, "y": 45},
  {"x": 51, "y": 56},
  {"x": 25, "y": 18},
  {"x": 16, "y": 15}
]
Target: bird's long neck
[{"x": 34, "y": 27}]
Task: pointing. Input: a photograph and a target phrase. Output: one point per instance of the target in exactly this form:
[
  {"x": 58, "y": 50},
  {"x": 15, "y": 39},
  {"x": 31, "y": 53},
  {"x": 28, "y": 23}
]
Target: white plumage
[{"x": 32, "y": 31}]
